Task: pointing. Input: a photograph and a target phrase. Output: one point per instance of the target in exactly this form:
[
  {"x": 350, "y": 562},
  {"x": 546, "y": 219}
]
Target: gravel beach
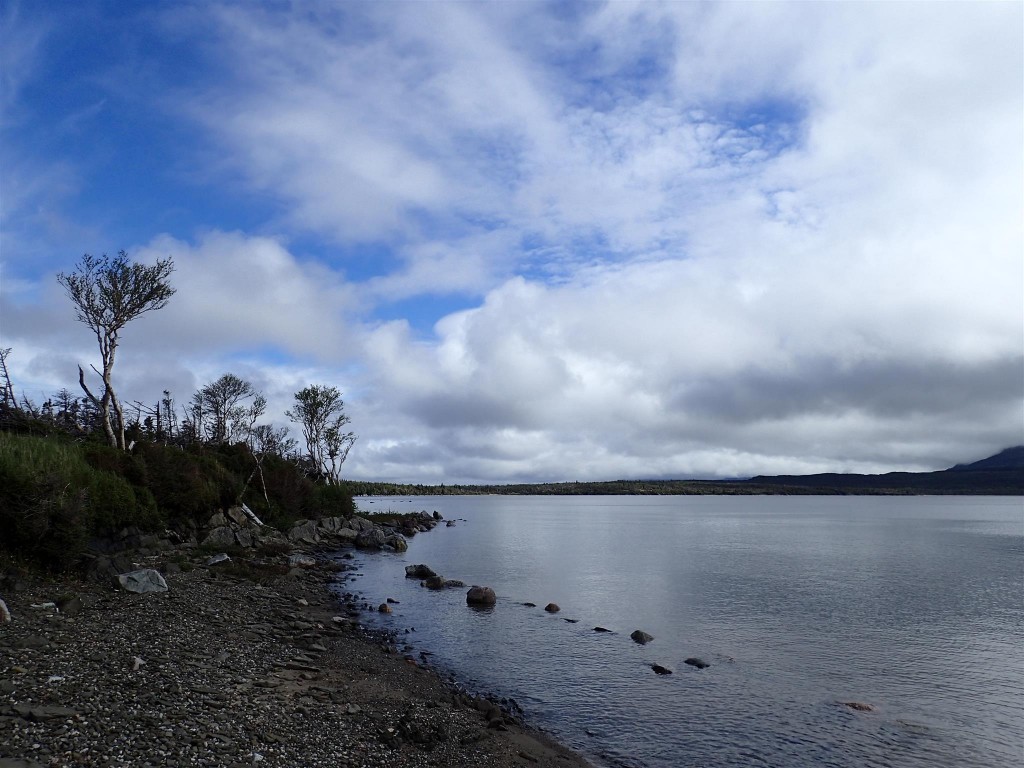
[{"x": 234, "y": 665}]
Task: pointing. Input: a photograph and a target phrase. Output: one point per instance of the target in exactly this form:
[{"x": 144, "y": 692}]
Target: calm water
[{"x": 913, "y": 605}]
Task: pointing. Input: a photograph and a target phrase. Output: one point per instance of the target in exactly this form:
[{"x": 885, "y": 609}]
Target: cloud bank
[{"x": 537, "y": 242}]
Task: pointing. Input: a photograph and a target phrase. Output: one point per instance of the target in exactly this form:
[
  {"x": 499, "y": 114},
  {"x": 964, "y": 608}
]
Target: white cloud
[{"x": 706, "y": 238}]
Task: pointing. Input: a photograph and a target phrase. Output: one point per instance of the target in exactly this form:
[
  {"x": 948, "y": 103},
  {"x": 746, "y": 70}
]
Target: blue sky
[{"x": 540, "y": 241}]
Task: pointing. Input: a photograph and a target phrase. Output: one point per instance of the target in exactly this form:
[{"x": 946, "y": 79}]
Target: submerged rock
[
  {"x": 858, "y": 706},
  {"x": 661, "y": 670},
  {"x": 695, "y": 662},
  {"x": 641, "y": 637}
]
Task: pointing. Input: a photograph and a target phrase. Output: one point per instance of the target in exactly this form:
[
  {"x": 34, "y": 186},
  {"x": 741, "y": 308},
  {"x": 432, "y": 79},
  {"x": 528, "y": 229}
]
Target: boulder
[
  {"x": 384, "y": 608},
  {"x": 454, "y": 583},
  {"x": 371, "y": 539},
  {"x": 238, "y": 517},
  {"x": 332, "y": 524},
  {"x": 69, "y": 606},
  {"x": 641, "y": 637},
  {"x": 661, "y": 670},
  {"x": 301, "y": 561},
  {"x": 5, "y": 614},
  {"x": 217, "y": 520},
  {"x": 437, "y": 515},
  {"x": 481, "y": 596},
  {"x": 244, "y": 538},
  {"x": 601, "y": 629},
  {"x": 218, "y": 559},
  {"x": 419, "y": 571},
  {"x": 142, "y": 581},
  {"x": 434, "y": 582},
  {"x": 552, "y": 608},
  {"x": 305, "y": 532},
  {"x": 397, "y": 542},
  {"x": 360, "y": 524},
  {"x": 346, "y": 535},
  {"x": 449, "y": 524},
  {"x": 221, "y": 536},
  {"x": 695, "y": 662}
]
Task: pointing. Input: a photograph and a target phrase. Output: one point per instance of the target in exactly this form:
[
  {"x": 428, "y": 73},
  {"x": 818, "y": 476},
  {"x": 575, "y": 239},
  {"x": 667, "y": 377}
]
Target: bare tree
[
  {"x": 219, "y": 409},
  {"x": 321, "y": 413},
  {"x": 9, "y": 399},
  {"x": 108, "y": 293},
  {"x": 264, "y": 440}
]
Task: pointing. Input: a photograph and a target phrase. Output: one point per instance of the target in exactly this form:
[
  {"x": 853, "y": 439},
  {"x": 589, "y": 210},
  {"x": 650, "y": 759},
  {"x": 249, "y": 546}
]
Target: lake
[{"x": 914, "y": 605}]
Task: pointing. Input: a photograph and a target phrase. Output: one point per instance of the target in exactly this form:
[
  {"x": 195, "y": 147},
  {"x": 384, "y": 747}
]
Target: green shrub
[{"x": 331, "y": 501}]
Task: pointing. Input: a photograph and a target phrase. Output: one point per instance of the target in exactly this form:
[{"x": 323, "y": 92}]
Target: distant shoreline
[{"x": 998, "y": 475}]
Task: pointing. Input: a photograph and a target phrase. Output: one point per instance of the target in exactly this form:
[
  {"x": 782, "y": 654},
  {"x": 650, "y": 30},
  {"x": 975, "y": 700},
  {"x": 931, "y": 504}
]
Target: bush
[
  {"x": 186, "y": 485},
  {"x": 52, "y": 500}
]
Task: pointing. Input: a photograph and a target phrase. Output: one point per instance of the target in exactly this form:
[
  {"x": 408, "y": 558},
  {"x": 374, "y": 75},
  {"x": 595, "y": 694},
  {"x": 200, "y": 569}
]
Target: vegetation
[
  {"x": 320, "y": 412},
  {"x": 78, "y": 468}
]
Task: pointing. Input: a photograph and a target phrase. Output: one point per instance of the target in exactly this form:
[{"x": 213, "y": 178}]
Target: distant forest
[{"x": 999, "y": 475}]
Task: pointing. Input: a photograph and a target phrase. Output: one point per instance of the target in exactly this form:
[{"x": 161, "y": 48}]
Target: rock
[
  {"x": 346, "y": 535},
  {"x": 437, "y": 515},
  {"x": 360, "y": 524},
  {"x": 218, "y": 559},
  {"x": 420, "y": 571},
  {"x": 5, "y": 614},
  {"x": 371, "y": 539},
  {"x": 237, "y": 516},
  {"x": 304, "y": 531},
  {"x": 858, "y": 706},
  {"x": 70, "y": 606},
  {"x": 244, "y": 538},
  {"x": 661, "y": 670},
  {"x": 434, "y": 582},
  {"x": 601, "y": 629},
  {"x": 641, "y": 637},
  {"x": 301, "y": 561},
  {"x": 529, "y": 605},
  {"x": 397, "y": 542},
  {"x": 217, "y": 520},
  {"x": 143, "y": 581},
  {"x": 392, "y": 601},
  {"x": 384, "y": 608},
  {"x": 552, "y": 608},
  {"x": 450, "y": 524},
  {"x": 450, "y": 583},
  {"x": 481, "y": 596},
  {"x": 221, "y": 536},
  {"x": 695, "y": 662}
]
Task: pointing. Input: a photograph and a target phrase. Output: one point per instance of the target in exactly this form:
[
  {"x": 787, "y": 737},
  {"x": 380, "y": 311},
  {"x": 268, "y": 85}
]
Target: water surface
[{"x": 914, "y": 605}]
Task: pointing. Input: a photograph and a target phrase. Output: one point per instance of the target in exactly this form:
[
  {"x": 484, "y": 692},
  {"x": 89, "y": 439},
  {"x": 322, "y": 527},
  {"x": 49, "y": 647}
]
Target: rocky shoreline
[{"x": 248, "y": 660}]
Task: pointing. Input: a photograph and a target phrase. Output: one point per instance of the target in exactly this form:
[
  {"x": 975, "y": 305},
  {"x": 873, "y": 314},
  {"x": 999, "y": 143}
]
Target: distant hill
[
  {"x": 1011, "y": 458},
  {"x": 1002, "y": 474}
]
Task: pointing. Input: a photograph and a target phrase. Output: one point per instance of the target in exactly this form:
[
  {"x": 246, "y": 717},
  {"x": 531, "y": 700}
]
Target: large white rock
[{"x": 142, "y": 581}]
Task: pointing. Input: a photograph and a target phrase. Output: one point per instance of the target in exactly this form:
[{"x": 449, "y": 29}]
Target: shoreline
[{"x": 237, "y": 664}]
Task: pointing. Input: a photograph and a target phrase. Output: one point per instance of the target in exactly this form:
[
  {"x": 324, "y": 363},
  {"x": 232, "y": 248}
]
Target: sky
[{"x": 539, "y": 241}]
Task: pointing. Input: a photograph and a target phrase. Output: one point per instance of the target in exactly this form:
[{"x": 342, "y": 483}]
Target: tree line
[{"x": 108, "y": 293}]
